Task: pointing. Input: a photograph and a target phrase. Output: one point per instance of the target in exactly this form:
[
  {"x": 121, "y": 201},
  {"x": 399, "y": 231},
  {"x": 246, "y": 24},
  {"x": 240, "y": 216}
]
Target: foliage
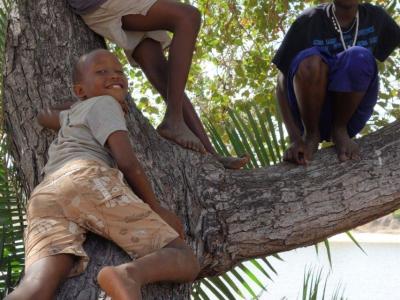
[
  {"x": 12, "y": 220},
  {"x": 312, "y": 284},
  {"x": 396, "y": 214}
]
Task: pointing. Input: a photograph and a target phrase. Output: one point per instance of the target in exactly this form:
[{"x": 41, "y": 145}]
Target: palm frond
[
  {"x": 315, "y": 286},
  {"x": 12, "y": 221},
  {"x": 252, "y": 131}
]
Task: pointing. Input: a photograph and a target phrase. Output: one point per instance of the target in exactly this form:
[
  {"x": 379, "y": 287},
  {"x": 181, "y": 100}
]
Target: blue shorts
[{"x": 353, "y": 70}]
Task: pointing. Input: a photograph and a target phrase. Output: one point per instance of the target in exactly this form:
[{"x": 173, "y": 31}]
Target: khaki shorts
[
  {"x": 89, "y": 196},
  {"x": 106, "y": 21}
]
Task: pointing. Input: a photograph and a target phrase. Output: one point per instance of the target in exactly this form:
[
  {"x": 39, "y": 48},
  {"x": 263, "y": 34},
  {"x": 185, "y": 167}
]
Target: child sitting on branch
[
  {"x": 328, "y": 77},
  {"x": 139, "y": 27}
]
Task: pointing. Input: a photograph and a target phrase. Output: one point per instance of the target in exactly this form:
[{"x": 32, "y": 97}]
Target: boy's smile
[{"x": 101, "y": 74}]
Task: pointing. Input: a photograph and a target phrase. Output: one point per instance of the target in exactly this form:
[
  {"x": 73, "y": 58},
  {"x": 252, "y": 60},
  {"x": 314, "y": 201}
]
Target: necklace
[
  {"x": 336, "y": 24},
  {"x": 351, "y": 27}
]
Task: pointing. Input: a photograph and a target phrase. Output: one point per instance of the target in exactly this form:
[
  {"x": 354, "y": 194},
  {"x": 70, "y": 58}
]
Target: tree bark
[{"x": 230, "y": 216}]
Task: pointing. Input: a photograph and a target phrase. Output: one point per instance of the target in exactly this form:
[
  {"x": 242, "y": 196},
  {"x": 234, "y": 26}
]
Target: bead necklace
[{"x": 336, "y": 24}]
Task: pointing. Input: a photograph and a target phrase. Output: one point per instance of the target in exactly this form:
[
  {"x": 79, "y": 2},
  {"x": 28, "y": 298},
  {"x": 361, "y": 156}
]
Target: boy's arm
[
  {"x": 126, "y": 160},
  {"x": 296, "y": 151},
  {"x": 50, "y": 117}
]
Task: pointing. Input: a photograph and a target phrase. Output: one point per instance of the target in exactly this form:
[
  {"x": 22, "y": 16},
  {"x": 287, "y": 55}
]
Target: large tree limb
[
  {"x": 256, "y": 213},
  {"x": 230, "y": 215}
]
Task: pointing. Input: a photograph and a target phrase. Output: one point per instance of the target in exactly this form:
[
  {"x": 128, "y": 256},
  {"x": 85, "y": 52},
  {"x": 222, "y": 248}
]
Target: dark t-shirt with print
[{"x": 378, "y": 32}]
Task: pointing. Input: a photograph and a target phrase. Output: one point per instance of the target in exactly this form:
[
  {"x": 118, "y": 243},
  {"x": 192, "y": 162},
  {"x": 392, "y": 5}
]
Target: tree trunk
[{"x": 230, "y": 216}]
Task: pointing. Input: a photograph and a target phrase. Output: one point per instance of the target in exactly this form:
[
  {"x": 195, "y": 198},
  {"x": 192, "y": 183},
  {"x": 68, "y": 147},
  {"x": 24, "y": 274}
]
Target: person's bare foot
[
  {"x": 233, "y": 163},
  {"x": 311, "y": 142},
  {"x": 116, "y": 283},
  {"x": 346, "y": 148},
  {"x": 180, "y": 134}
]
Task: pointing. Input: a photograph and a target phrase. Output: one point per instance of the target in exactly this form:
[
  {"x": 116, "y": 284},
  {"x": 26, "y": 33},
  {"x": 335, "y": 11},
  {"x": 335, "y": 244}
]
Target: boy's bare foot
[
  {"x": 311, "y": 142},
  {"x": 117, "y": 284},
  {"x": 233, "y": 163},
  {"x": 346, "y": 148},
  {"x": 180, "y": 134},
  {"x": 302, "y": 149}
]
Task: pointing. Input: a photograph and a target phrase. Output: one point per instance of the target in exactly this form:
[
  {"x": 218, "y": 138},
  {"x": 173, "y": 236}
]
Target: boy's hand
[
  {"x": 171, "y": 219},
  {"x": 297, "y": 153}
]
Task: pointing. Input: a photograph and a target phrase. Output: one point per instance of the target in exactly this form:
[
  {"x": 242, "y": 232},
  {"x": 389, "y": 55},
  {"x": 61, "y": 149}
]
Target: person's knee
[
  {"x": 186, "y": 259},
  {"x": 360, "y": 62},
  {"x": 192, "y": 263},
  {"x": 312, "y": 69},
  {"x": 359, "y": 53},
  {"x": 190, "y": 17}
]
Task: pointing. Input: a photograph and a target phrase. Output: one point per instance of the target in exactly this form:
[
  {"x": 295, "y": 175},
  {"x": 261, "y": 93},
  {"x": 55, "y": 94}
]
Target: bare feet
[
  {"x": 302, "y": 150},
  {"x": 117, "y": 284},
  {"x": 180, "y": 134},
  {"x": 346, "y": 148},
  {"x": 233, "y": 163},
  {"x": 311, "y": 142}
]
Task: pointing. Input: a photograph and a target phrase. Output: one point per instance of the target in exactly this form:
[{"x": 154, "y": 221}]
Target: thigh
[
  {"x": 108, "y": 207},
  {"x": 49, "y": 232},
  {"x": 164, "y": 14}
]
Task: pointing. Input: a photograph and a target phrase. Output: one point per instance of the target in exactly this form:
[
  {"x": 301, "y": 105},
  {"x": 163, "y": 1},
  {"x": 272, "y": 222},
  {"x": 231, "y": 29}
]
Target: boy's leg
[
  {"x": 174, "y": 263},
  {"x": 184, "y": 21},
  {"x": 344, "y": 106},
  {"x": 43, "y": 277},
  {"x": 310, "y": 82},
  {"x": 355, "y": 85},
  {"x": 148, "y": 54}
]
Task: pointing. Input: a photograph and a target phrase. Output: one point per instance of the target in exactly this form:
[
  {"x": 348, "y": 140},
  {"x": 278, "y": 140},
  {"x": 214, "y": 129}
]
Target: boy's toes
[{"x": 342, "y": 156}]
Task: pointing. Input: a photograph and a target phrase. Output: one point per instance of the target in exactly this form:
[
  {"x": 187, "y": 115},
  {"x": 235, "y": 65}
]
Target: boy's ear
[{"x": 79, "y": 91}]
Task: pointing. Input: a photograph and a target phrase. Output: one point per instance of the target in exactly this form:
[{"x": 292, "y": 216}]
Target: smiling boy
[{"x": 82, "y": 191}]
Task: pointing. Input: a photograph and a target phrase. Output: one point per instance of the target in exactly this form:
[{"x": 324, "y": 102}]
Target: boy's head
[
  {"x": 346, "y": 4},
  {"x": 99, "y": 73}
]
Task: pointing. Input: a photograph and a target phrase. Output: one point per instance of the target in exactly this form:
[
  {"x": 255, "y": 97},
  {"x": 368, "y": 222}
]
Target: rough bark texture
[{"x": 230, "y": 216}]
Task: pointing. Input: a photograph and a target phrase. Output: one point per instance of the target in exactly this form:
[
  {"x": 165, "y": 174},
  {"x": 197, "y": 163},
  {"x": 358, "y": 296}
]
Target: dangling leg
[
  {"x": 184, "y": 21},
  {"x": 148, "y": 54}
]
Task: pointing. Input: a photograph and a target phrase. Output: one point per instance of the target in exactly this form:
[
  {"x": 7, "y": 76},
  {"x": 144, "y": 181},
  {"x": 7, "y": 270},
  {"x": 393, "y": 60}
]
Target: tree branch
[{"x": 249, "y": 214}]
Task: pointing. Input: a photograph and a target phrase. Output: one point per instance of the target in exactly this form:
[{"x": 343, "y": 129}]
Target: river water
[{"x": 371, "y": 276}]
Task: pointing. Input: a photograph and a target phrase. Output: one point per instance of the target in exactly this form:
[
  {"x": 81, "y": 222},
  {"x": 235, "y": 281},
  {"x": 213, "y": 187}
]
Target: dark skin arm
[
  {"x": 297, "y": 150},
  {"x": 50, "y": 117},
  {"x": 126, "y": 160}
]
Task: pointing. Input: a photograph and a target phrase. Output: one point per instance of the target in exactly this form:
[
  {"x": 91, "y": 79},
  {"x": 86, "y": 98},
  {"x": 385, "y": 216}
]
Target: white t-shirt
[{"x": 85, "y": 128}]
